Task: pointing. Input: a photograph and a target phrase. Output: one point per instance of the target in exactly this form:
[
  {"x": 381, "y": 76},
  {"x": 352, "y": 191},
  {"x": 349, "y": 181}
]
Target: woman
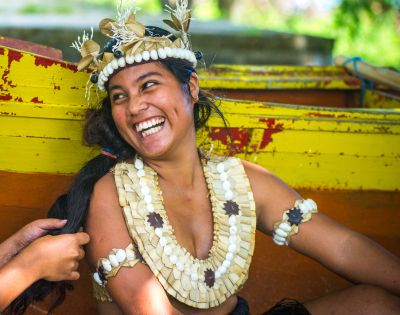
[
  {"x": 172, "y": 227},
  {"x": 30, "y": 255}
]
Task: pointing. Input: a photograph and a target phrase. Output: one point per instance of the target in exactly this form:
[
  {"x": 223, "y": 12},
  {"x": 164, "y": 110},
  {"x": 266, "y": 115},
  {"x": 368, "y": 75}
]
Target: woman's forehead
[{"x": 136, "y": 72}]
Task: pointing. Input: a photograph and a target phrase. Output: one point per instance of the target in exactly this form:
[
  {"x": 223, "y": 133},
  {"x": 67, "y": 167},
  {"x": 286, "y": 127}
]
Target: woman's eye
[
  {"x": 117, "y": 97},
  {"x": 148, "y": 84}
]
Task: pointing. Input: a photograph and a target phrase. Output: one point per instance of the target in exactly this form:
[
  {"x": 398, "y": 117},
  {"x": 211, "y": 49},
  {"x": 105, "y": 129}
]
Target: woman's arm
[
  {"x": 136, "y": 290},
  {"x": 342, "y": 250},
  {"x": 52, "y": 258}
]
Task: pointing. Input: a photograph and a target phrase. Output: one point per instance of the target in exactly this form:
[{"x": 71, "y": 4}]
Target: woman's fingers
[{"x": 82, "y": 238}]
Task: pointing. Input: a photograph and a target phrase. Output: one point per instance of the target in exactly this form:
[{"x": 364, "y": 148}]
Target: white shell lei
[
  {"x": 201, "y": 283},
  {"x": 160, "y": 53},
  {"x": 289, "y": 225}
]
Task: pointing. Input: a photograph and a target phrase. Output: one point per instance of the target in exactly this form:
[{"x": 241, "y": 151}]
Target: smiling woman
[{"x": 172, "y": 227}]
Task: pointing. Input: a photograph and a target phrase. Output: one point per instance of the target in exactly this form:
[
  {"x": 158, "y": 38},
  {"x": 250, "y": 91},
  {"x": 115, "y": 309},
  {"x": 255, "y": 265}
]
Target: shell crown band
[{"x": 130, "y": 42}]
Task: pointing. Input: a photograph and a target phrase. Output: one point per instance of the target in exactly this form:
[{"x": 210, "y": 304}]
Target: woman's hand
[
  {"x": 55, "y": 258},
  {"x": 26, "y": 235},
  {"x": 52, "y": 258}
]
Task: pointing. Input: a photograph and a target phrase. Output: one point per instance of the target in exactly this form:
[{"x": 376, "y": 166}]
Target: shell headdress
[{"x": 131, "y": 42}]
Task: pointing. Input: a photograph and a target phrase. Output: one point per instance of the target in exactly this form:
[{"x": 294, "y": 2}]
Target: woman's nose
[{"x": 136, "y": 105}]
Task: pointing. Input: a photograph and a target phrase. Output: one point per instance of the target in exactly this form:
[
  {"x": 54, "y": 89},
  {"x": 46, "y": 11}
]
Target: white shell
[
  {"x": 167, "y": 250},
  {"x": 163, "y": 241},
  {"x": 217, "y": 274},
  {"x": 279, "y": 238},
  {"x": 158, "y": 232},
  {"x": 221, "y": 167},
  {"x": 96, "y": 278},
  {"x": 233, "y": 229},
  {"x": 180, "y": 266},
  {"x": 303, "y": 207},
  {"x": 139, "y": 164},
  {"x": 130, "y": 59},
  {"x": 229, "y": 256},
  {"x": 114, "y": 64},
  {"x": 121, "y": 62},
  {"x": 232, "y": 239},
  {"x": 194, "y": 276},
  {"x": 138, "y": 58},
  {"x": 232, "y": 248},
  {"x": 223, "y": 176},
  {"x": 229, "y": 195},
  {"x": 145, "y": 190},
  {"x": 140, "y": 173},
  {"x": 147, "y": 199},
  {"x": 161, "y": 53},
  {"x": 232, "y": 220},
  {"x": 168, "y": 51},
  {"x": 106, "y": 265},
  {"x": 280, "y": 243},
  {"x": 130, "y": 255},
  {"x": 150, "y": 207},
  {"x": 281, "y": 233},
  {"x": 285, "y": 226},
  {"x": 109, "y": 69},
  {"x": 173, "y": 259},
  {"x": 121, "y": 255},
  {"x": 226, "y": 263},
  {"x": 226, "y": 185},
  {"x": 222, "y": 269},
  {"x": 113, "y": 260},
  {"x": 146, "y": 55},
  {"x": 153, "y": 54}
]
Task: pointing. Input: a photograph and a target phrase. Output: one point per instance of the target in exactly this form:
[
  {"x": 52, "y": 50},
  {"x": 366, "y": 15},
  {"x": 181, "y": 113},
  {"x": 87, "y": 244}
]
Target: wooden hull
[
  {"x": 353, "y": 152},
  {"x": 42, "y": 106},
  {"x": 328, "y": 86}
]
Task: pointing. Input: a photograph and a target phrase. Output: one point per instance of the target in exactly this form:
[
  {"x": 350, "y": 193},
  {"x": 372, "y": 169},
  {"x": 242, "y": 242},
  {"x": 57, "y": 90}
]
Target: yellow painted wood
[
  {"x": 41, "y": 127},
  {"x": 277, "y": 77}
]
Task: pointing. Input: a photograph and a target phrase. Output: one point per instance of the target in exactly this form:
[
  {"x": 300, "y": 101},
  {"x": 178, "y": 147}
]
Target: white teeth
[
  {"x": 151, "y": 131},
  {"x": 149, "y": 124}
]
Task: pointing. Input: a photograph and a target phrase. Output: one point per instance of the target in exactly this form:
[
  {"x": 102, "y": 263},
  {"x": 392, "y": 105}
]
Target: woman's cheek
[{"x": 118, "y": 115}]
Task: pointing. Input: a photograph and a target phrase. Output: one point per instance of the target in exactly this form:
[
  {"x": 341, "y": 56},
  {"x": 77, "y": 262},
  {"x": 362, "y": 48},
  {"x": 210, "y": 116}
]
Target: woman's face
[{"x": 151, "y": 110}]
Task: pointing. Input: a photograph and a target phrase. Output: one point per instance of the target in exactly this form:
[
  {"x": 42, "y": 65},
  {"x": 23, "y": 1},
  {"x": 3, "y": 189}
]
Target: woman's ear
[{"x": 194, "y": 87}]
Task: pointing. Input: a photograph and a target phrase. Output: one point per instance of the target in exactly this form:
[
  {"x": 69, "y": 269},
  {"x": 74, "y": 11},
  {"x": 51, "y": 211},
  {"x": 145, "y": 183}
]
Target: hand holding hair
[
  {"x": 52, "y": 258},
  {"x": 26, "y": 235}
]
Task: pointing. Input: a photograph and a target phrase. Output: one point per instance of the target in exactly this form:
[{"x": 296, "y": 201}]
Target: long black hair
[{"x": 100, "y": 131}]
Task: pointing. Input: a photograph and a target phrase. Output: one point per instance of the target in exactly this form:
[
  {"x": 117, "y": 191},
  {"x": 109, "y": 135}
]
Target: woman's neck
[{"x": 180, "y": 171}]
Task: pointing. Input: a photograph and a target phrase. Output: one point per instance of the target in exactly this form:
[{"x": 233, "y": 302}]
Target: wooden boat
[
  {"x": 327, "y": 86},
  {"x": 352, "y": 152}
]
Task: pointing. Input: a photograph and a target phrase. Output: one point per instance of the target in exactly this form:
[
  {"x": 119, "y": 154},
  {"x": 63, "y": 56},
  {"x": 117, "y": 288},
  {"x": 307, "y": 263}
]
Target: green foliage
[{"x": 366, "y": 28}]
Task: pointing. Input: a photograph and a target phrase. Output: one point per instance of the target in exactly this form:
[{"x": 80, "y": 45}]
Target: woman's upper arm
[
  {"x": 318, "y": 238},
  {"x": 135, "y": 290}
]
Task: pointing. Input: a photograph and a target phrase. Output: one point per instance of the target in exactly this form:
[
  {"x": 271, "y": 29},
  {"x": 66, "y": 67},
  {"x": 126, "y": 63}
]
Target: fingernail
[{"x": 64, "y": 221}]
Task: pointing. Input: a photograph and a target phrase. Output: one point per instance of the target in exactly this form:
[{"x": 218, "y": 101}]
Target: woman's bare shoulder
[
  {"x": 271, "y": 194},
  {"x": 105, "y": 222}
]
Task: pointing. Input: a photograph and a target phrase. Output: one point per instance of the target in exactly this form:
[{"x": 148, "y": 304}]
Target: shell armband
[
  {"x": 289, "y": 225},
  {"x": 117, "y": 258}
]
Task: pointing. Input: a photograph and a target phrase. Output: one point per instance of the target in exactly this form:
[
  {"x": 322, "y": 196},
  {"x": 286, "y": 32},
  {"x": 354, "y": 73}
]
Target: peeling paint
[
  {"x": 36, "y": 100},
  {"x": 13, "y": 55},
  {"x": 6, "y": 97},
  {"x": 240, "y": 138},
  {"x": 44, "y": 62},
  {"x": 271, "y": 129}
]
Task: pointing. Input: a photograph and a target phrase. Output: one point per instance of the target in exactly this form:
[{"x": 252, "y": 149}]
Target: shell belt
[{"x": 198, "y": 283}]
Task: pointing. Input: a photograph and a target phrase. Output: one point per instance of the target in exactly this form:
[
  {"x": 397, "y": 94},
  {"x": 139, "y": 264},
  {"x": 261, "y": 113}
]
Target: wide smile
[{"x": 150, "y": 126}]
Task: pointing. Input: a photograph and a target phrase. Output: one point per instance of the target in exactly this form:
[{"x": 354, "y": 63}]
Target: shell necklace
[{"x": 201, "y": 283}]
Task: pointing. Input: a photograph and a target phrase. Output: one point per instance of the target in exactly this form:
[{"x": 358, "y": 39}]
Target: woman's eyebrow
[
  {"x": 148, "y": 74},
  {"x": 139, "y": 79}
]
